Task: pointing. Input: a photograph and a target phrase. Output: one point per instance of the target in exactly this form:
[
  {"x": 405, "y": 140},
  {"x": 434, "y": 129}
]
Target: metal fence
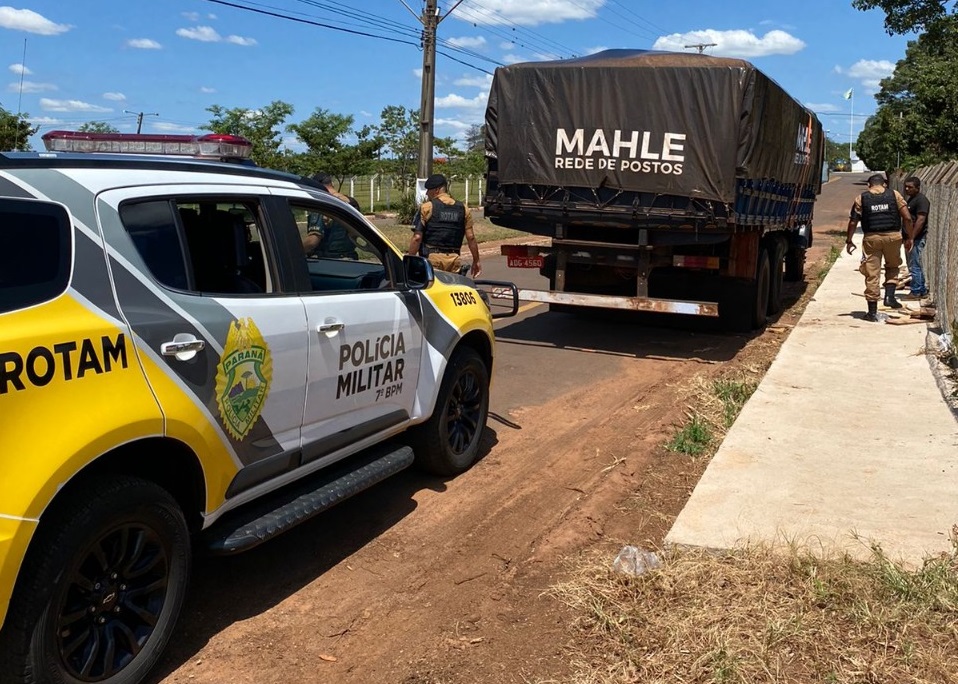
[
  {"x": 381, "y": 193},
  {"x": 940, "y": 259}
]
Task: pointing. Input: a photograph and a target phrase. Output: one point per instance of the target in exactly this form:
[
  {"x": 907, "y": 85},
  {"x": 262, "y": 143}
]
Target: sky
[{"x": 67, "y": 63}]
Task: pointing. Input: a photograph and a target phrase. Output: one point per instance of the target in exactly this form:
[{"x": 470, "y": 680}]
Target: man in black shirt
[{"x": 918, "y": 207}]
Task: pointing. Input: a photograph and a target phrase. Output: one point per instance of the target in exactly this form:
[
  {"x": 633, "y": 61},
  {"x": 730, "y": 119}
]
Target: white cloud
[
  {"x": 45, "y": 121},
  {"x": 19, "y": 70},
  {"x": 364, "y": 113},
  {"x": 205, "y": 34},
  {"x": 240, "y": 40},
  {"x": 513, "y": 59},
  {"x": 467, "y": 41},
  {"x": 460, "y": 126},
  {"x": 454, "y": 101},
  {"x": 594, "y": 50},
  {"x": 507, "y": 45},
  {"x": 527, "y": 12},
  {"x": 115, "y": 97},
  {"x": 70, "y": 106},
  {"x": 31, "y": 87},
  {"x": 207, "y": 89},
  {"x": 869, "y": 71},
  {"x": 734, "y": 43},
  {"x": 143, "y": 44},
  {"x": 417, "y": 73},
  {"x": 30, "y": 21},
  {"x": 190, "y": 16},
  {"x": 475, "y": 81},
  {"x": 166, "y": 127},
  {"x": 823, "y": 108}
]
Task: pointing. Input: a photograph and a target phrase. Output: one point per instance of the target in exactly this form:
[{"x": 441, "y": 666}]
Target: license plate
[{"x": 525, "y": 262}]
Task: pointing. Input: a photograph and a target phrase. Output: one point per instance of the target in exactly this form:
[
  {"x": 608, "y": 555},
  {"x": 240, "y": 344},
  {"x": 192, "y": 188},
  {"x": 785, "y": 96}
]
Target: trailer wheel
[
  {"x": 744, "y": 303},
  {"x": 794, "y": 264},
  {"x": 777, "y": 264}
]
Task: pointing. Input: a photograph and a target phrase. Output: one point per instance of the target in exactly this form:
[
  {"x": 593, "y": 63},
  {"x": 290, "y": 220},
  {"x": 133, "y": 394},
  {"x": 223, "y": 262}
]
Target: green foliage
[
  {"x": 15, "y": 131},
  {"x": 905, "y": 16},
  {"x": 325, "y": 134},
  {"x": 97, "y": 127},
  {"x": 835, "y": 151},
  {"x": 399, "y": 132},
  {"x": 693, "y": 438},
  {"x": 406, "y": 208},
  {"x": 917, "y": 114},
  {"x": 262, "y": 127}
]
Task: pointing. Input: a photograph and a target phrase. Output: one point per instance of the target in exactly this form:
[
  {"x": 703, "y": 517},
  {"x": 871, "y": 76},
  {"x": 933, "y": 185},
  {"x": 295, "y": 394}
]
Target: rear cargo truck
[{"x": 667, "y": 182}]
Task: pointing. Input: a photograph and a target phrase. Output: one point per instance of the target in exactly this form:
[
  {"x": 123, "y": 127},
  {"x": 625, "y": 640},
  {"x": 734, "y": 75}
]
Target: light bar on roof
[{"x": 211, "y": 146}]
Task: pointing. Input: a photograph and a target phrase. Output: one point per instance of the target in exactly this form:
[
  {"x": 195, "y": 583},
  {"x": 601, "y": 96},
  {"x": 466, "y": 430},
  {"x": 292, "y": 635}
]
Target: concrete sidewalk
[{"x": 847, "y": 441}]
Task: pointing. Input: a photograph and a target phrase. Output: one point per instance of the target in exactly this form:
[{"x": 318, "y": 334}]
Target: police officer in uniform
[
  {"x": 440, "y": 227},
  {"x": 325, "y": 236},
  {"x": 882, "y": 213}
]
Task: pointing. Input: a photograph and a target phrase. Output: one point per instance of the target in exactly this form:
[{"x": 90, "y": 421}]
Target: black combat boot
[
  {"x": 872, "y": 315},
  {"x": 890, "y": 300}
]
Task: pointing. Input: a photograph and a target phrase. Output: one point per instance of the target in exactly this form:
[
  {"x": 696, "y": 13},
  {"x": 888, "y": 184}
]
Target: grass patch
[
  {"x": 761, "y": 615},
  {"x": 830, "y": 259},
  {"x": 717, "y": 403}
]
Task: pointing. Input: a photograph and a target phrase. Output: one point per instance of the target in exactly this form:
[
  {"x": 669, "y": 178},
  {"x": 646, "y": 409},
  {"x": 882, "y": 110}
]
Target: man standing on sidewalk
[
  {"x": 882, "y": 213},
  {"x": 918, "y": 206}
]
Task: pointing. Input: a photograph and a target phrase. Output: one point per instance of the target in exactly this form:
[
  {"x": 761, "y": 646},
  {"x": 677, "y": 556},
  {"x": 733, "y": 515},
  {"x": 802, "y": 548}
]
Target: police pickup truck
[{"x": 176, "y": 372}]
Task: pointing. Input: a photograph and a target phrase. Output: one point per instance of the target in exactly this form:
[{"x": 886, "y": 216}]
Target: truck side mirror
[{"x": 417, "y": 271}]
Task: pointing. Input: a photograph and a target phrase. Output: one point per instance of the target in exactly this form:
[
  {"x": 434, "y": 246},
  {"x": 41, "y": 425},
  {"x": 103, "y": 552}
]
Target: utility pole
[
  {"x": 430, "y": 20},
  {"x": 139, "y": 118},
  {"x": 701, "y": 46}
]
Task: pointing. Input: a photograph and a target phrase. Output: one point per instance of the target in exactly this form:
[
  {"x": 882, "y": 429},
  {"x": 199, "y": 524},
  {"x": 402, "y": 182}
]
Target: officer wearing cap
[
  {"x": 325, "y": 236},
  {"x": 882, "y": 213},
  {"x": 440, "y": 227}
]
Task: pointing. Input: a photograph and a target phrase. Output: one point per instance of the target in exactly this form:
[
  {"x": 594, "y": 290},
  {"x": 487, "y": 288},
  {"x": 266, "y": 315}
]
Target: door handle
[
  {"x": 330, "y": 327},
  {"x": 184, "y": 347}
]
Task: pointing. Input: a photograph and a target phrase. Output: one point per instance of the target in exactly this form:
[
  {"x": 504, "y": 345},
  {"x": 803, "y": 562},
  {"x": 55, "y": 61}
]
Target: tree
[
  {"x": 399, "y": 131},
  {"x": 905, "y": 16},
  {"x": 15, "y": 131},
  {"x": 97, "y": 127},
  {"x": 262, "y": 127},
  {"x": 917, "y": 115},
  {"x": 325, "y": 135},
  {"x": 476, "y": 138},
  {"x": 835, "y": 153}
]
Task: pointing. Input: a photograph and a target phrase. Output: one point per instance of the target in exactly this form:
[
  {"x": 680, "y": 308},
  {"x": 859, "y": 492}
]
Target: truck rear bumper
[{"x": 691, "y": 308}]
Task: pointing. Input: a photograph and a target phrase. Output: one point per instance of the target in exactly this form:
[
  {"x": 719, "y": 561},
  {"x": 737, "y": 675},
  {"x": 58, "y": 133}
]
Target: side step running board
[{"x": 250, "y": 527}]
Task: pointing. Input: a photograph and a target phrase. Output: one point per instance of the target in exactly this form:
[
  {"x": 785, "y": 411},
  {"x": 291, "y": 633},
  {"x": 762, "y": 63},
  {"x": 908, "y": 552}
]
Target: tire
[
  {"x": 794, "y": 264},
  {"x": 448, "y": 443},
  {"x": 776, "y": 300},
  {"x": 743, "y": 306},
  {"x": 109, "y": 565}
]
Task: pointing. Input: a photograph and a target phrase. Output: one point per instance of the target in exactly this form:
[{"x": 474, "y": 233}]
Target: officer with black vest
[
  {"x": 882, "y": 213},
  {"x": 440, "y": 227}
]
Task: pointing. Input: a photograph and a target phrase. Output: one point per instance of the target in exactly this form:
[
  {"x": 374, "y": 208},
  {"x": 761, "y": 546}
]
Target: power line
[{"x": 388, "y": 26}]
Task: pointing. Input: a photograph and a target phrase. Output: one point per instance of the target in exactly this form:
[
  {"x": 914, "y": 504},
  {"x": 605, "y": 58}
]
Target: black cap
[
  {"x": 436, "y": 180},
  {"x": 323, "y": 178},
  {"x": 877, "y": 179}
]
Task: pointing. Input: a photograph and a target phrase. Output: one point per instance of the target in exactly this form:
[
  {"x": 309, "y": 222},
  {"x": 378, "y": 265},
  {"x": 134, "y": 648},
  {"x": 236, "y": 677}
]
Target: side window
[
  {"x": 201, "y": 245},
  {"x": 36, "y": 255},
  {"x": 339, "y": 258}
]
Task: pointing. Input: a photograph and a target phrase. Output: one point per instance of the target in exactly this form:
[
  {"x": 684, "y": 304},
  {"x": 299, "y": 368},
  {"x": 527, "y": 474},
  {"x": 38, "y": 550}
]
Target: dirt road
[{"x": 425, "y": 581}]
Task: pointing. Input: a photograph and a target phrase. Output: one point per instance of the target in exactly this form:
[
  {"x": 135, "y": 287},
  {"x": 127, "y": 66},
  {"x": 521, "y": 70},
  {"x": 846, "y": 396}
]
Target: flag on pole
[{"x": 848, "y": 94}]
